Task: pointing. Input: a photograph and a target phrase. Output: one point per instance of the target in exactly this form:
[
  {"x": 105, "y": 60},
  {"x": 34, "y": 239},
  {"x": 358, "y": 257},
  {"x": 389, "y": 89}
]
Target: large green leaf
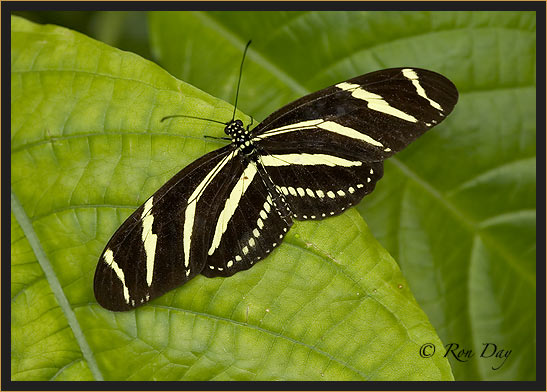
[
  {"x": 457, "y": 208},
  {"x": 87, "y": 148}
]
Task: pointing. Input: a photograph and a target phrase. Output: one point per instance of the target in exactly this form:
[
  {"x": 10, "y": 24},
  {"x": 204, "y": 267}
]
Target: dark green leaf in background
[
  {"x": 125, "y": 30},
  {"x": 457, "y": 208},
  {"x": 88, "y": 147}
]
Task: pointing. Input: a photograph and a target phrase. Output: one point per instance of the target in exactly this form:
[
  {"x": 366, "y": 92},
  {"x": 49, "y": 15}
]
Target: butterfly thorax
[{"x": 241, "y": 137}]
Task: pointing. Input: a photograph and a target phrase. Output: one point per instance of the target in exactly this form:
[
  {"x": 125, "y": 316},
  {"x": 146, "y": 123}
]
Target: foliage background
[{"x": 456, "y": 209}]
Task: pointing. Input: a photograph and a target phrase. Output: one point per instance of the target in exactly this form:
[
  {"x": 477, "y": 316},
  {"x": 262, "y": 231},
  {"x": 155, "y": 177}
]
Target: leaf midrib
[
  {"x": 252, "y": 53},
  {"x": 326, "y": 69},
  {"x": 31, "y": 236},
  {"x": 472, "y": 226}
]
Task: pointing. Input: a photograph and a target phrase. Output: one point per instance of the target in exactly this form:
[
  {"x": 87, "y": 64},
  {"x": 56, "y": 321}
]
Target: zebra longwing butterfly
[{"x": 311, "y": 159}]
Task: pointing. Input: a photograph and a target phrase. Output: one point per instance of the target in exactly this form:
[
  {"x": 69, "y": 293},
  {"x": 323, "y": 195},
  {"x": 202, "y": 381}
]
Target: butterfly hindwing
[
  {"x": 252, "y": 221},
  {"x": 320, "y": 185}
]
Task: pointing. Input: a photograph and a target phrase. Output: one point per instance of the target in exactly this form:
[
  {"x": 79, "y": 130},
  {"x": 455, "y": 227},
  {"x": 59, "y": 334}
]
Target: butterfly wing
[
  {"x": 163, "y": 243},
  {"x": 325, "y": 150},
  {"x": 317, "y": 186},
  {"x": 379, "y": 113}
]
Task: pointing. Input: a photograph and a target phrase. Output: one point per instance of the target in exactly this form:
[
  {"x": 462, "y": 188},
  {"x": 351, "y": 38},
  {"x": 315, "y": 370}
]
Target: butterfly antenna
[
  {"x": 239, "y": 79},
  {"x": 197, "y": 118}
]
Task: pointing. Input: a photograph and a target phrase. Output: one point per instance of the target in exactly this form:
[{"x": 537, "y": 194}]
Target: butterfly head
[
  {"x": 234, "y": 127},
  {"x": 236, "y": 131},
  {"x": 241, "y": 136}
]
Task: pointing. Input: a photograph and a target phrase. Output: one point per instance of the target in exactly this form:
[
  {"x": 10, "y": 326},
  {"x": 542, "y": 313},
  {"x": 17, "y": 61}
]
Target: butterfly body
[{"x": 310, "y": 160}]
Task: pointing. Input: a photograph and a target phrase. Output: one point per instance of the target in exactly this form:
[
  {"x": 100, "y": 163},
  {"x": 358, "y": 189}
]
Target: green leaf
[
  {"x": 457, "y": 208},
  {"x": 87, "y": 148}
]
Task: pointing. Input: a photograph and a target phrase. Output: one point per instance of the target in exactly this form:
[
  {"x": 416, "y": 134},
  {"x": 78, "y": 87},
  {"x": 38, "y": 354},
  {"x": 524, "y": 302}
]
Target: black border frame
[{"x": 538, "y": 6}]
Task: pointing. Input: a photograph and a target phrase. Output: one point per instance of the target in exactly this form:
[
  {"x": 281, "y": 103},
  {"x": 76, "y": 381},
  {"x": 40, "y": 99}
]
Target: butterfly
[{"x": 310, "y": 160}]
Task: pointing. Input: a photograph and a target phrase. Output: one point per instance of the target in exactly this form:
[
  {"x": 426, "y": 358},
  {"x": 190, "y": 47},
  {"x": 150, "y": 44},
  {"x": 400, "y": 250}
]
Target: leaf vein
[{"x": 261, "y": 329}]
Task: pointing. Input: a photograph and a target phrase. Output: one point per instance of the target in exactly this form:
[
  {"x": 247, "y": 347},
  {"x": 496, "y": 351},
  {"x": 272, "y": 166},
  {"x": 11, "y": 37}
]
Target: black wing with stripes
[
  {"x": 325, "y": 150},
  {"x": 163, "y": 243},
  {"x": 311, "y": 159},
  {"x": 376, "y": 114}
]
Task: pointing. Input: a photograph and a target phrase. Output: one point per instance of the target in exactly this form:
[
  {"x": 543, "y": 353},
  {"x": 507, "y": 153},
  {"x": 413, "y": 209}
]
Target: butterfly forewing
[{"x": 379, "y": 113}]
